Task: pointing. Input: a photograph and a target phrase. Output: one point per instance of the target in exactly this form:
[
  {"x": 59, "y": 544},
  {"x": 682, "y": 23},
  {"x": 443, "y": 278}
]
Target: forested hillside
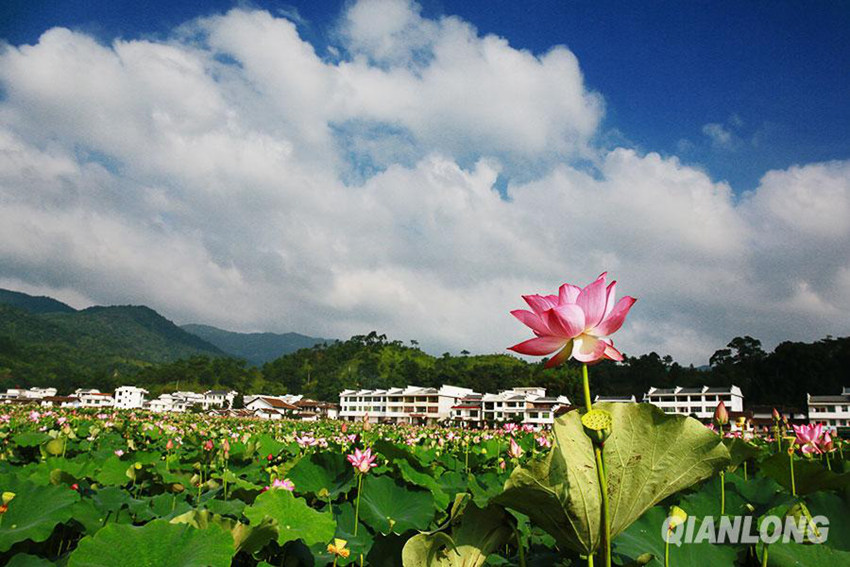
[{"x": 105, "y": 347}]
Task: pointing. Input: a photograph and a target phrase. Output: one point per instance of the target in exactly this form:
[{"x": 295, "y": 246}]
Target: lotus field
[{"x": 609, "y": 484}]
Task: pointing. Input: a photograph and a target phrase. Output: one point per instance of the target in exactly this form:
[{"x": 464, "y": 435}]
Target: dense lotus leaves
[
  {"x": 34, "y": 511},
  {"x": 326, "y": 470},
  {"x": 649, "y": 456},
  {"x": 471, "y": 536},
  {"x": 295, "y": 519},
  {"x": 739, "y": 451},
  {"x": 706, "y": 501},
  {"x": 388, "y": 507},
  {"x": 809, "y": 476},
  {"x": 156, "y": 543},
  {"x": 644, "y": 536}
]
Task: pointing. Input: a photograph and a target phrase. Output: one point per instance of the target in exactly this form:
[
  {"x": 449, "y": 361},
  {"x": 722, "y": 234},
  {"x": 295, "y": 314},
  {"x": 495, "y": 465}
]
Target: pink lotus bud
[{"x": 721, "y": 415}]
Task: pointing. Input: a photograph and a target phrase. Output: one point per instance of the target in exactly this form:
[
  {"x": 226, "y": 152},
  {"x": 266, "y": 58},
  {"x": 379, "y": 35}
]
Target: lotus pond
[{"x": 126, "y": 488}]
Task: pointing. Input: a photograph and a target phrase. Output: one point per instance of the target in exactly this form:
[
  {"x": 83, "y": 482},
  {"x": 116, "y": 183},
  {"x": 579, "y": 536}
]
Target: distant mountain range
[
  {"x": 256, "y": 348},
  {"x": 127, "y": 335},
  {"x": 33, "y": 304}
]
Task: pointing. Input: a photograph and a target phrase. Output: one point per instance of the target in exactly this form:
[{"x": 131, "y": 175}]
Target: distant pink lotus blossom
[
  {"x": 208, "y": 445},
  {"x": 808, "y": 437},
  {"x": 575, "y": 322},
  {"x": 515, "y": 451},
  {"x": 543, "y": 442},
  {"x": 34, "y": 416},
  {"x": 119, "y": 452},
  {"x": 826, "y": 445},
  {"x": 284, "y": 484},
  {"x": 362, "y": 461}
]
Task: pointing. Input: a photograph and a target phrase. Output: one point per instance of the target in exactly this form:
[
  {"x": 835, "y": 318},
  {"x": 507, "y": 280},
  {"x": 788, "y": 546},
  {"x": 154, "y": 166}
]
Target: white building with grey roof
[
  {"x": 699, "y": 402},
  {"x": 413, "y": 404},
  {"x": 833, "y": 411}
]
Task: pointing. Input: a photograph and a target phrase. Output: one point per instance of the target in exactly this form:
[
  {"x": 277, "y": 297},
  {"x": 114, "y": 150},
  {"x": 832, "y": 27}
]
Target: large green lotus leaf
[
  {"x": 113, "y": 471},
  {"x": 794, "y": 554},
  {"x": 479, "y": 533},
  {"x": 357, "y": 545},
  {"x": 30, "y": 439},
  {"x": 425, "y": 480},
  {"x": 837, "y": 511},
  {"x": 387, "y": 507},
  {"x": 644, "y": 536},
  {"x": 649, "y": 456},
  {"x": 809, "y": 475},
  {"x": 326, "y": 470},
  {"x": 157, "y": 543},
  {"x": 249, "y": 539},
  {"x": 26, "y": 560},
  {"x": 296, "y": 520},
  {"x": 34, "y": 511}
]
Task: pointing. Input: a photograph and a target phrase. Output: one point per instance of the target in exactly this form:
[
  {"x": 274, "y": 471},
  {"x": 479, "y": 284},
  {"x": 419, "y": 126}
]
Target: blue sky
[
  {"x": 774, "y": 76},
  {"x": 333, "y": 168}
]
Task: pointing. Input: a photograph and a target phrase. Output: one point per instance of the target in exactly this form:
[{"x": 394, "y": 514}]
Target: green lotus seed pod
[{"x": 597, "y": 425}]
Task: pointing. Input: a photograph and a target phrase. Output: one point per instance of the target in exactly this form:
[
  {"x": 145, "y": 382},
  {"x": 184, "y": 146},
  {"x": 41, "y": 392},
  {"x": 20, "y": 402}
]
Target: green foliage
[
  {"x": 649, "y": 456},
  {"x": 156, "y": 543}
]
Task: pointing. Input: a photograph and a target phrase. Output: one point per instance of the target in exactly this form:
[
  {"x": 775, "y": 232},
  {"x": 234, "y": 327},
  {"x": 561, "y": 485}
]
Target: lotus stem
[
  {"x": 357, "y": 504},
  {"x": 603, "y": 482},
  {"x": 745, "y": 470},
  {"x": 764, "y": 556},
  {"x": 793, "y": 484},
  {"x": 828, "y": 465},
  {"x": 722, "y": 492},
  {"x": 520, "y": 549},
  {"x": 667, "y": 552}
]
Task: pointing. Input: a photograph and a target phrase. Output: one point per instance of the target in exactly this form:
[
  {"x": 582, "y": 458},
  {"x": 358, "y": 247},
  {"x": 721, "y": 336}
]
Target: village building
[
  {"x": 698, "y": 402},
  {"x": 832, "y": 411}
]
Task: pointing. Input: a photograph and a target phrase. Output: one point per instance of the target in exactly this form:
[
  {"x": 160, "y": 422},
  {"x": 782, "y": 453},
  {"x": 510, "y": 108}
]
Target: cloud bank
[{"x": 416, "y": 179}]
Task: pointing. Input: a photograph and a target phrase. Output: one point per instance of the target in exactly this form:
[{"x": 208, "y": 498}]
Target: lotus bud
[
  {"x": 741, "y": 422},
  {"x": 721, "y": 415},
  {"x": 597, "y": 425},
  {"x": 777, "y": 417}
]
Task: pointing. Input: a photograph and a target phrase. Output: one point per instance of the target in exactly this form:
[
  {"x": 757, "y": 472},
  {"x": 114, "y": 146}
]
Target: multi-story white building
[
  {"x": 830, "y": 410},
  {"x": 413, "y": 404},
  {"x": 220, "y": 398},
  {"x": 94, "y": 398},
  {"x": 698, "y": 402},
  {"x": 519, "y": 405},
  {"x": 130, "y": 397},
  {"x": 30, "y": 394}
]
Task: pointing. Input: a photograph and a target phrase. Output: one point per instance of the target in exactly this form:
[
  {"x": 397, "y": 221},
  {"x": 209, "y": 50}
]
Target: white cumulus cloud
[{"x": 232, "y": 174}]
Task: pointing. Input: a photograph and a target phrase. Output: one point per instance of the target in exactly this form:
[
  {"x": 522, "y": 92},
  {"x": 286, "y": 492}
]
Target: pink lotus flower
[
  {"x": 543, "y": 442},
  {"x": 208, "y": 445},
  {"x": 825, "y": 444},
  {"x": 34, "y": 415},
  {"x": 515, "y": 451},
  {"x": 808, "y": 437},
  {"x": 362, "y": 462},
  {"x": 574, "y": 321},
  {"x": 284, "y": 484},
  {"x": 169, "y": 445}
]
